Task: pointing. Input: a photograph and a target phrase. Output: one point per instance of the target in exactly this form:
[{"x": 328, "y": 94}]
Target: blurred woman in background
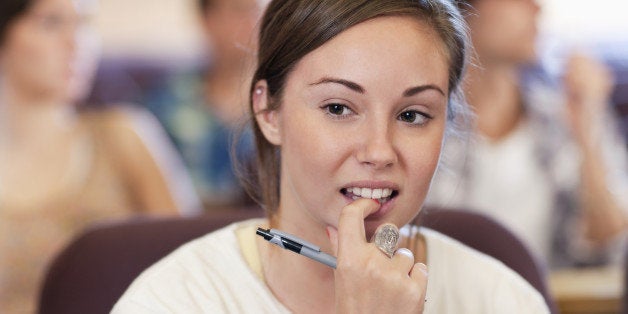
[
  {"x": 61, "y": 170},
  {"x": 202, "y": 108},
  {"x": 553, "y": 170}
]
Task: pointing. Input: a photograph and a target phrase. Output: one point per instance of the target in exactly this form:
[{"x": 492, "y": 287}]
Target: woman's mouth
[{"x": 381, "y": 195}]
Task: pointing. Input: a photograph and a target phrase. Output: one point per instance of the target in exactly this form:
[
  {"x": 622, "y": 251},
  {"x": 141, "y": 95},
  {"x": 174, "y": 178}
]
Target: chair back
[
  {"x": 93, "y": 272},
  {"x": 488, "y": 236}
]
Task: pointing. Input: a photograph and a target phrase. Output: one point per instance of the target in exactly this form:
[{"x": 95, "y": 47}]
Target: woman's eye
[
  {"x": 338, "y": 110},
  {"x": 414, "y": 117}
]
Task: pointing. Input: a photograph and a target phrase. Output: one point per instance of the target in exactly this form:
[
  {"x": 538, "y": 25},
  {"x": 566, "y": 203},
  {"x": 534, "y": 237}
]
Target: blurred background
[
  {"x": 150, "y": 28},
  {"x": 143, "y": 41},
  {"x": 599, "y": 28}
]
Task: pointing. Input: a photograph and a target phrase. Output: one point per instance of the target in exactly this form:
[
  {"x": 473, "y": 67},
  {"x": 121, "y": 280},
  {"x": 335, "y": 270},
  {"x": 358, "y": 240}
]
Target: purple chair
[
  {"x": 91, "y": 274},
  {"x": 491, "y": 238}
]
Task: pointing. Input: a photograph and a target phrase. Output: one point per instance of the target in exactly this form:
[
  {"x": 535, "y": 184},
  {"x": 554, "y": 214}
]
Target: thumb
[{"x": 332, "y": 234}]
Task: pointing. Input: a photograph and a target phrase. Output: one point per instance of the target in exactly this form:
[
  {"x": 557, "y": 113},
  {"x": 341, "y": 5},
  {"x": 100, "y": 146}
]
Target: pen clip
[{"x": 295, "y": 239}]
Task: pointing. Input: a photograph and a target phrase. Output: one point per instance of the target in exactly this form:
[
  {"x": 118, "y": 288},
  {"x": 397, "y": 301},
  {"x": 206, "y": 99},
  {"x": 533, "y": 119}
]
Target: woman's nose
[{"x": 377, "y": 150}]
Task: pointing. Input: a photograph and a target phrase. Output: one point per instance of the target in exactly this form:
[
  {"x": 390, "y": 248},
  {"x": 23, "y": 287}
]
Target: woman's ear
[{"x": 267, "y": 119}]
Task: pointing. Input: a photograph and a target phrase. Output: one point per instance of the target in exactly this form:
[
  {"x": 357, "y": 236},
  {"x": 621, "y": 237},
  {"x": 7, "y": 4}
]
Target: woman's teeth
[{"x": 381, "y": 195}]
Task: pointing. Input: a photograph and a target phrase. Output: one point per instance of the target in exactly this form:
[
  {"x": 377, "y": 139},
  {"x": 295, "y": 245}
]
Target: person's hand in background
[{"x": 588, "y": 85}]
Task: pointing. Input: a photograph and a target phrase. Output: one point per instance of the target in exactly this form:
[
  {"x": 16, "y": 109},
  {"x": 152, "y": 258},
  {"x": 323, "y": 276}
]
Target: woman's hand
[
  {"x": 588, "y": 85},
  {"x": 368, "y": 281}
]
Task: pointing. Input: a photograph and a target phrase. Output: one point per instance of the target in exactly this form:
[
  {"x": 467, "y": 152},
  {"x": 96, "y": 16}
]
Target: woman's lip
[
  {"x": 372, "y": 185},
  {"x": 382, "y": 211},
  {"x": 384, "y": 208}
]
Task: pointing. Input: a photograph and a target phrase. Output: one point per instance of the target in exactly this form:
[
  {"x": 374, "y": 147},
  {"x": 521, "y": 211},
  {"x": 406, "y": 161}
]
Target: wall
[{"x": 153, "y": 28}]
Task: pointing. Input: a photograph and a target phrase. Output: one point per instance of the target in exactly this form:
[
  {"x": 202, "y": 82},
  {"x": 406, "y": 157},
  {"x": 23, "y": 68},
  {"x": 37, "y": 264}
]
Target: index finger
[{"x": 351, "y": 222}]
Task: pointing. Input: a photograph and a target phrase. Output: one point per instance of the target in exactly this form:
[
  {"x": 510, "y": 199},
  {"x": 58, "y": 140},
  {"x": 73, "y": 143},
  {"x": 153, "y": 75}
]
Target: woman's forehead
[{"x": 385, "y": 48}]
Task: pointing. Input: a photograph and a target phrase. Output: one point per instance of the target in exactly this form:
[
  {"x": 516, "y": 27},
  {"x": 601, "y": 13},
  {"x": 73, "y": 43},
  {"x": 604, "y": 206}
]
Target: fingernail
[
  {"x": 406, "y": 252},
  {"x": 423, "y": 268}
]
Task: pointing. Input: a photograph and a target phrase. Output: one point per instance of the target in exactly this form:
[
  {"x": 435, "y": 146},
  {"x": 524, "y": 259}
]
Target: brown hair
[
  {"x": 290, "y": 29},
  {"x": 10, "y": 10},
  {"x": 204, "y": 5},
  {"x": 466, "y": 6}
]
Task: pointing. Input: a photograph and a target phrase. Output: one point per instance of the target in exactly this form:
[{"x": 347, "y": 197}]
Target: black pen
[{"x": 294, "y": 244}]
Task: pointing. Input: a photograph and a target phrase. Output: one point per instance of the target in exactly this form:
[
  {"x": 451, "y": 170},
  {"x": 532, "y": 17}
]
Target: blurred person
[
  {"x": 201, "y": 109},
  {"x": 551, "y": 167},
  {"x": 61, "y": 169},
  {"x": 345, "y": 94}
]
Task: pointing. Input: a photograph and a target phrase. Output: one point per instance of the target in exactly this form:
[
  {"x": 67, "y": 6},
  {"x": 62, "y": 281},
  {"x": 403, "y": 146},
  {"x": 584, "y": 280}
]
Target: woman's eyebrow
[
  {"x": 418, "y": 89},
  {"x": 359, "y": 89},
  {"x": 348, "y": 84}
]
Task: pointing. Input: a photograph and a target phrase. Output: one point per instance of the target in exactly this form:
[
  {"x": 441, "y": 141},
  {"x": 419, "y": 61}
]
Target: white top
[{"x": 211, "y": 275}]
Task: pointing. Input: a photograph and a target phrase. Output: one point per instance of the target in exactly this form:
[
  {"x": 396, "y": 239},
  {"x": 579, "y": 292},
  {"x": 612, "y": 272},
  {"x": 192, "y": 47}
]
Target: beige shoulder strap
[{"x": 246, "y": 240}]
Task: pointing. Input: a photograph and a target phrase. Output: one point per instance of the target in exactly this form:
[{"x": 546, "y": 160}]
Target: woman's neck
[
  {"x": 25, "y": 118},
  {"x": 291, "y": 276},
  {"x": 494, "y": 93}
]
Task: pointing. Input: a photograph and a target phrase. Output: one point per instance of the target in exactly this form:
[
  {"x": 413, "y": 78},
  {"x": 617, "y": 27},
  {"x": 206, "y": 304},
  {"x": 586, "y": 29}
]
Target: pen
[{"x": 294, "y": 244}]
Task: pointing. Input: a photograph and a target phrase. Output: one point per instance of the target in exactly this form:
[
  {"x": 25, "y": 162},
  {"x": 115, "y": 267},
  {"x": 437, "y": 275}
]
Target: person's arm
[
  {"x": 603, "y": 215},
  {"x": 588, "y": 86},
  {"x": 149, "y": 163}
]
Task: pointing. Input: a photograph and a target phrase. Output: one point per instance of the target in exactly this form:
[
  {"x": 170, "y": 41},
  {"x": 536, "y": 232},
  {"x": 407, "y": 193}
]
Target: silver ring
[{"x": 386, "y": 238}]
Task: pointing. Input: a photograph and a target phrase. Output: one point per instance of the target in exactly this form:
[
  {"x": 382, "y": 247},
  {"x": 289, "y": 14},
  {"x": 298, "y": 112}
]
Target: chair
[
  {"x": 96, "y": 268},
  {"x": 489, "y": 237},
  {"x": 91, "y": 274}
]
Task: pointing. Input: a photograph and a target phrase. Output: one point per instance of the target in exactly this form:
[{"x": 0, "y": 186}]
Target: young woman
[
  {"x": 351, "y": 101},
  {"x": 59, "y": 169},
  {"x": 549, "y": 166}
]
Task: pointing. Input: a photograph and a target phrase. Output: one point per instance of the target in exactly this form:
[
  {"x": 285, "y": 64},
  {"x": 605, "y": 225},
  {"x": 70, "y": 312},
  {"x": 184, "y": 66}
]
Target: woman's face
[
  {"x": 362, "y": 116},
  {"x": 504, "y": 30},
  {"x": 50, "y": 52}
]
